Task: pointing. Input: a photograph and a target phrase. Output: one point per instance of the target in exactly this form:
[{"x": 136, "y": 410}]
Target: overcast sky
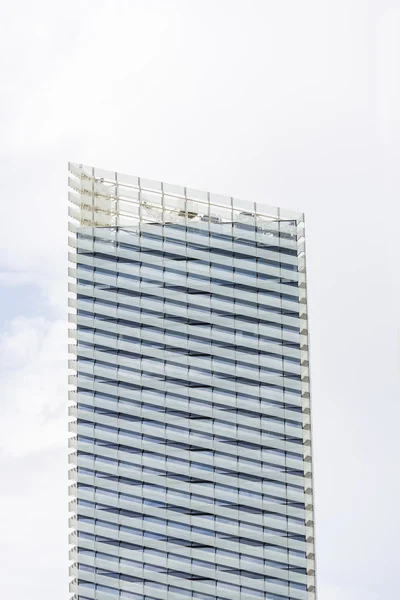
[{"x": 288, "y": 102}]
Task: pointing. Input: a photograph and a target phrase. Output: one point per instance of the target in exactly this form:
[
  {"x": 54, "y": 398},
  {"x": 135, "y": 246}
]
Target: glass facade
[{"x": 190, "y": 426}]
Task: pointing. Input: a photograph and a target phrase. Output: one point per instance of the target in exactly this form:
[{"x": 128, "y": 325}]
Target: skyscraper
[{"x": 191, "y": 459}]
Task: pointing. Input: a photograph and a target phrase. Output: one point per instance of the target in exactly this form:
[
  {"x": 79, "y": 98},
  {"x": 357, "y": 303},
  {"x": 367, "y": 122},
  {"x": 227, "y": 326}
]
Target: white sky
[{"x": 287, "y": 102}]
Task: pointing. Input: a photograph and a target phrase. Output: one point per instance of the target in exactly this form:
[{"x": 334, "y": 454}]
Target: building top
[{"x": 100, "y": 198}]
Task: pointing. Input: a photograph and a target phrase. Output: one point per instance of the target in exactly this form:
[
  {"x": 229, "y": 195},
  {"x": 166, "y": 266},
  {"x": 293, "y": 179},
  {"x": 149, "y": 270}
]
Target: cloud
[
  {"x": 33, "y": 388},
  {"x": 14, "y": 278},
  {"x": 34, "y": 524}
]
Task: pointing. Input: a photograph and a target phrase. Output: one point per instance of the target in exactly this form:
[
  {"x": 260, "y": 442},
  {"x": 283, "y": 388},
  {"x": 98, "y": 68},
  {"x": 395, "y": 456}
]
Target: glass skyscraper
[{"x": 191, "y": 460}]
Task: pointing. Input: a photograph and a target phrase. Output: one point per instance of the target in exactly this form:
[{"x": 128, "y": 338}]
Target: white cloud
[
  {"x": 34, "y": 524},
  {"x": 33, "y": 358},
  {"x": 33, "y": 459},
  {"x": 14, "y": 278}
]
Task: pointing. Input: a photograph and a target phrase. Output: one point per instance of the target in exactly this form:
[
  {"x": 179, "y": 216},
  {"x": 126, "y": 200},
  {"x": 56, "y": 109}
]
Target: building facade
[{"x": 191, "y": 458}]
